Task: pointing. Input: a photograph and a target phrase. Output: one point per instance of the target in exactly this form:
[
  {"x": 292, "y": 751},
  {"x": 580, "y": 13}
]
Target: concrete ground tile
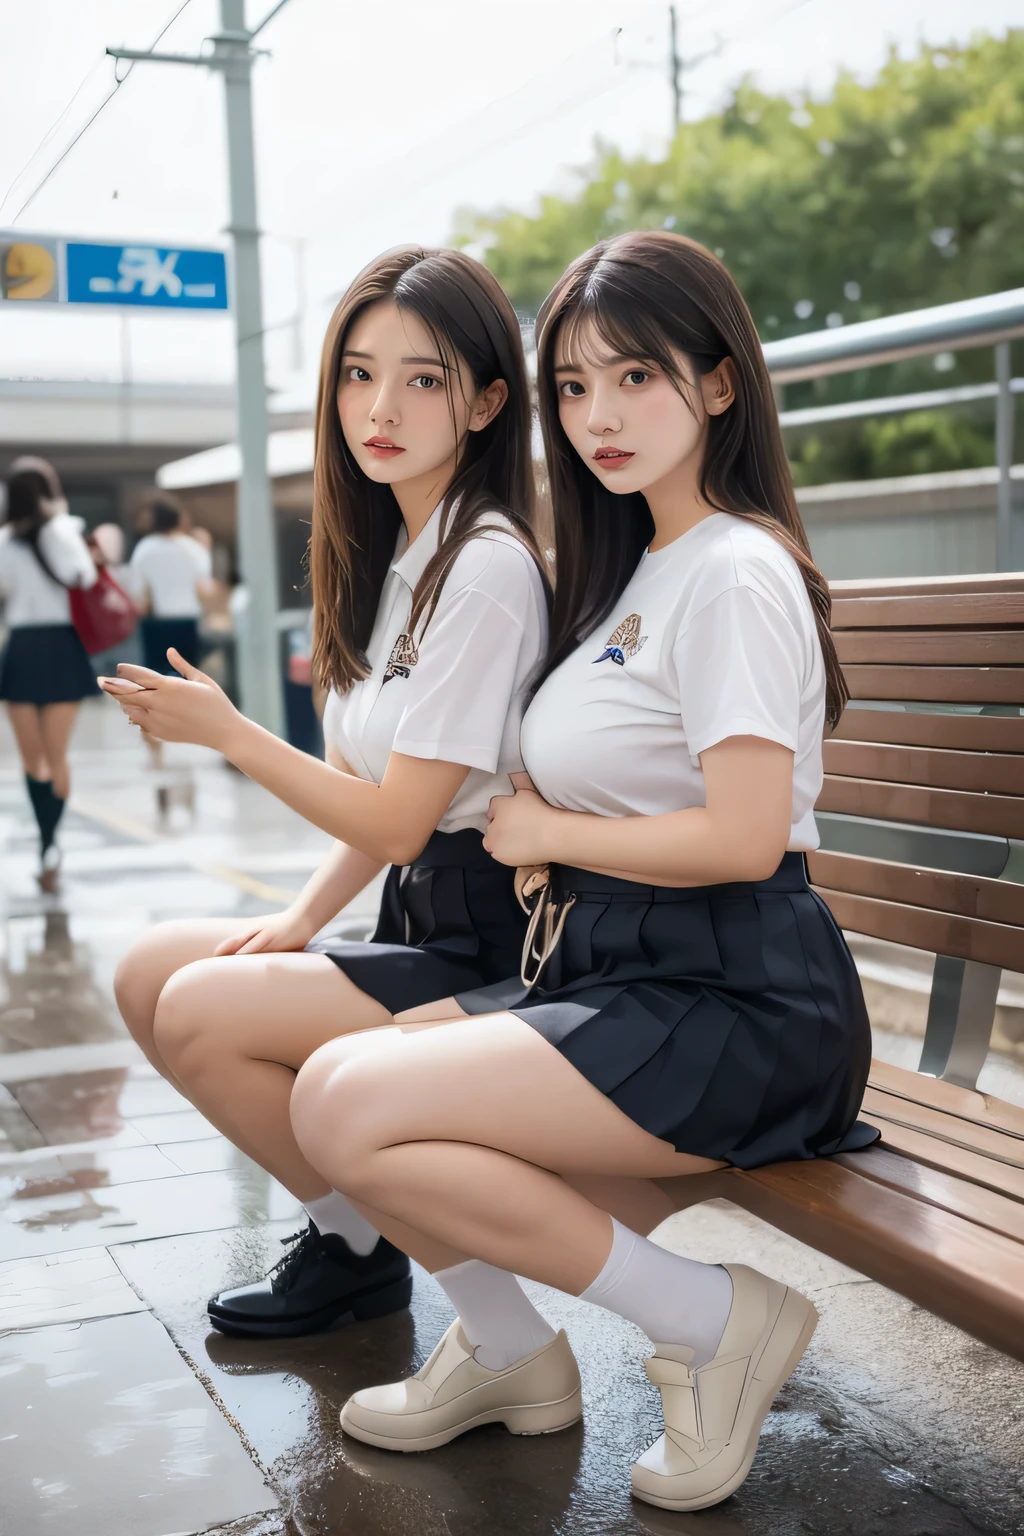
[
  {"x": 184, "y": 1125},
  {"x": 63, "y": 1288},
  {"x": 207, "y": 1156},
  {"x": 79, "y": 1107},
  {"x": 104, "y": 1429},
  {"x": 201, "y": 1202},
  {"x": 17, "y": 1131},
  {"x": 29, "y": 1176}
]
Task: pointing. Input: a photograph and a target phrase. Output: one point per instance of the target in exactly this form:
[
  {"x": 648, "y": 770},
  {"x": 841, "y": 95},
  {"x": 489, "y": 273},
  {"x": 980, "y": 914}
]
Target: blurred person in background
[
  {"x": 44, "y": 670},
  {"x": 167, "y": 570}
]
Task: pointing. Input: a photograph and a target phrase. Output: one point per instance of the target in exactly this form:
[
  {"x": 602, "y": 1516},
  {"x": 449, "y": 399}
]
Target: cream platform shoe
[
  {"x": 452, "y": 1392},
  {"x": 713, "y": 1415}
]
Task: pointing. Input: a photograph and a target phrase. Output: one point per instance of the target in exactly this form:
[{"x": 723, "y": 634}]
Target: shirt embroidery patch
[
  {"x": 625, "y": 642},
  {"x": 404, "y": 656}
]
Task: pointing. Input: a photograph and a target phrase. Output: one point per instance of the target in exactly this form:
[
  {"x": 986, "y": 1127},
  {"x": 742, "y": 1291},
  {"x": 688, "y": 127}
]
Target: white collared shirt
[
  {"x": 456, "y": 693},
  {"x": 33, "y": 597},
  {"x": 714, "y": 636}
]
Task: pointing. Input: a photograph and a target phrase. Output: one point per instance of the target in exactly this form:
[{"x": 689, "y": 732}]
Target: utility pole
[
  {"x": 675, "y": 69},
  {"x": 258, "y": 660}
]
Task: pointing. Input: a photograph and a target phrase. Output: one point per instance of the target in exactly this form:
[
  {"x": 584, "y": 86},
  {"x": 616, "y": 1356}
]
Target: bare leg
[
  {"x": 27, "y": 728},
  {"x": 423, "y": 1124},
  {"x": 638, "y": 1203},
  {"x": 234, "y": 1030},
  {"x": 148, "y": 966},
  {"x": 57, "y": 721}
]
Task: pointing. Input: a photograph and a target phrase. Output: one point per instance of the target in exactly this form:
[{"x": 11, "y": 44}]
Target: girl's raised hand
[{"x": 190, "y": 708}]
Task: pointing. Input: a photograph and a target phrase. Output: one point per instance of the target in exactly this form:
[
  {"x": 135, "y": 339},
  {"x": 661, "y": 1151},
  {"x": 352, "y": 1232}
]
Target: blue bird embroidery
[{"x": 624, "y": 643}]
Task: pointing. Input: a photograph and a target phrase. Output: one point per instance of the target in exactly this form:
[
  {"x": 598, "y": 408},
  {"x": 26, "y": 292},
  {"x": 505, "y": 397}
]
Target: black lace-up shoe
[{"x": 318, "y": 1284}]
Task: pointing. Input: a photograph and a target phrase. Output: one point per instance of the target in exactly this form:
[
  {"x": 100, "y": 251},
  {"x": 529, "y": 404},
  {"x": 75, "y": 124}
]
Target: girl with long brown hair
[
  {"x": 686, "y": 1001},
  {"x": 430, "y": 610}
]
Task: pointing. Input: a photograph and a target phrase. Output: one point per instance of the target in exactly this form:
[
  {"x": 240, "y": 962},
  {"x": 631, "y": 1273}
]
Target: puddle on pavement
[{"x": 104, "y": 1431}]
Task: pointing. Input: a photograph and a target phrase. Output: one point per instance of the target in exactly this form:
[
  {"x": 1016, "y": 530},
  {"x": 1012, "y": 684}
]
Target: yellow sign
[{"x": 28, "y": 271}]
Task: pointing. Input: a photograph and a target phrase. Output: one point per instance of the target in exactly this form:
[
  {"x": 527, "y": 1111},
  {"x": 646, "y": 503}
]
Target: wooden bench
[{"x": 922, "y": 821}]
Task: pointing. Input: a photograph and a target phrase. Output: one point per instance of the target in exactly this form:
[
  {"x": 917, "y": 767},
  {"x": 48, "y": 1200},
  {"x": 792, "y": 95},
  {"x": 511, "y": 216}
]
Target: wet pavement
[{"x": 122, "y": 1209}]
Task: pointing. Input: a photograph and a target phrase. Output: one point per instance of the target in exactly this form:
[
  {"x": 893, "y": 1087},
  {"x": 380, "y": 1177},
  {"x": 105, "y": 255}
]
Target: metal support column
[
  {"x": 1008, "y": 557},
  {"x": 259, "y": 664},
  {"x": 258, "y": 655},
  {"x": 961, "y": 1014}
]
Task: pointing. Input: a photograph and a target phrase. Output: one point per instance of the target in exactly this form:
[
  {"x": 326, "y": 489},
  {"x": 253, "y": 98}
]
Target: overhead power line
[{"x": 119, "y": 80}]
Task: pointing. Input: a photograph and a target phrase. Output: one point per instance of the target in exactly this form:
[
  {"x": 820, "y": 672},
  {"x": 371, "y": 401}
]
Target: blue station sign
[{"x": 48, "y": 269}]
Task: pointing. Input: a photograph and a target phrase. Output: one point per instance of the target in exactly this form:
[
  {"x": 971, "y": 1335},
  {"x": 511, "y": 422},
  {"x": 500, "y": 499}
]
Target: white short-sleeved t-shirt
[
  {"x": 167, "y": 566},
  {"x": 455, "y": 691},
  {"x": 33, "y": 597},
  {"x": 713, "y": 637}
]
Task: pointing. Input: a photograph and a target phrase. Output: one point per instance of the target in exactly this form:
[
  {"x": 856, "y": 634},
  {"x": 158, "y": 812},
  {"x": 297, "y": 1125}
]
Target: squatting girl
[{"x": 431, "y": 616}]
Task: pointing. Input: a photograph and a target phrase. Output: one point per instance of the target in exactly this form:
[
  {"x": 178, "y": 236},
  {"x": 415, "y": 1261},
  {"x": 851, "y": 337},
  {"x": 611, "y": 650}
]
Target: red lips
[{"x": 383, "y": 447}]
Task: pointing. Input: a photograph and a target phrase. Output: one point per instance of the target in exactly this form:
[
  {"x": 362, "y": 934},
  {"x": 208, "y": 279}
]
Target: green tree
[{"x": 902, "y": 193}]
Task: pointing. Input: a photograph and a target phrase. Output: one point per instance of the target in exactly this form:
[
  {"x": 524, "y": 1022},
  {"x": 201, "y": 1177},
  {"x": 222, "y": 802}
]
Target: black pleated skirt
[
  {"x": 726, "y": 1019},
  {"x": 448, "y": 922},
  {"x": 45, "y": 664}
]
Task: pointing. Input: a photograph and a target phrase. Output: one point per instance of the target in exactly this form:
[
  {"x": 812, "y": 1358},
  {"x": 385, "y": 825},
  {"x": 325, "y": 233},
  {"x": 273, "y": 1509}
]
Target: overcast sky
[{"x": 373, "y": 125}]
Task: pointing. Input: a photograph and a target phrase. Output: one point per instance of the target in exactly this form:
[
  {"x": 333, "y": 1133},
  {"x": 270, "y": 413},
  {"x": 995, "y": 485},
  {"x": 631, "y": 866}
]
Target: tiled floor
[{"x": 121, "y": 1210}]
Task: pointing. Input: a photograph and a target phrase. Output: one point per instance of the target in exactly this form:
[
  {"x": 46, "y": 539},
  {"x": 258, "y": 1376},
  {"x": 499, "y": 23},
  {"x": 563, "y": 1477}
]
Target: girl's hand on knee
[{"x": 281, "y": 931}]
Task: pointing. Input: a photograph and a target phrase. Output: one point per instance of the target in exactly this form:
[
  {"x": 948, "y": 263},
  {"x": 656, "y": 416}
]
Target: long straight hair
[
  {"x": 650, "y": 296},
  {"x": 33, "y": 483},
  {"x": 355, "y": 520}
]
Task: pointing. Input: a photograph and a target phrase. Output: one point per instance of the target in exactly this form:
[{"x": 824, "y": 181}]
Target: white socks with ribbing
[
  {"x": 496, "y": 1314},
  {"x": 674, "y": 1300},
  {"x": 332, "y": 1213}
]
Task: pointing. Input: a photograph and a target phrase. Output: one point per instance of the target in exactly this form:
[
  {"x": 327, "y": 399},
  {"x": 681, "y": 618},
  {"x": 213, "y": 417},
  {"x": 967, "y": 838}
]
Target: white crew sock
[
  {"x": 331, "y": 1213},
  {"x": 674, "y": 1300},
  {"x": 497, "y": 1316}
]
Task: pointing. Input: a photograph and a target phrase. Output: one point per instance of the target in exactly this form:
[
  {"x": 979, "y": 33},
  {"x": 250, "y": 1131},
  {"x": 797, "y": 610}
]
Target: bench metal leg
[{"x": 961, "y": 1014}]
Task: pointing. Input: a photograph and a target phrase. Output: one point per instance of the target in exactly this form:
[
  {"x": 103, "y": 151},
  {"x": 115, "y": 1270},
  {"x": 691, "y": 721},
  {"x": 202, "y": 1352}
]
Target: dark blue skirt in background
[
  {"x": 449, "y": 921},
  {"x": 726, "y": 1019},
  {"x": 159, "y": 634},
  {"x": 45, "y": 664}
]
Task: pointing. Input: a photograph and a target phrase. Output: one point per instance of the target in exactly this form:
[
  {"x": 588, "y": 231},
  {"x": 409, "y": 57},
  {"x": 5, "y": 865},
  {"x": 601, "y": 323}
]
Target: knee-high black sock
[{"x": 47, "y": 807}]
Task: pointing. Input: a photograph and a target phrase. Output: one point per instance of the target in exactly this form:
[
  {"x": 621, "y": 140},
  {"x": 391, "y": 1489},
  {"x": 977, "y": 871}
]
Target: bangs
[{"x": 607, "y": 309}]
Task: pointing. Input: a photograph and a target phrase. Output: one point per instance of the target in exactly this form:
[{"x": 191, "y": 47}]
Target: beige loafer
[
  {"x": 453, "y": 1392},
  {"x": 713, "y": 1415}
]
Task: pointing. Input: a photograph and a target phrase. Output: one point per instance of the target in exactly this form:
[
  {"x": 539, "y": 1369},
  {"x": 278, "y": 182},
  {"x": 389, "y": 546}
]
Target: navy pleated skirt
[
  {"x": 726, "y": 1019},
  {"x": 448, "y": 922},
  {"x": 45, "y": 664}
]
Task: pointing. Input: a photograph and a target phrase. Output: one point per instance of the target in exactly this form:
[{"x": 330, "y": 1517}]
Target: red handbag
[{"x": 103, "y": 614}]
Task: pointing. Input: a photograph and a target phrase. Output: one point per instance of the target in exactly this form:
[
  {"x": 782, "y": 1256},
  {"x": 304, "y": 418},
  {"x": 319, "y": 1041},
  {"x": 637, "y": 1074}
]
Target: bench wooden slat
[
  {"x": 996, "y": 901},
  {"x": 971, "y": 733},
  {"x": 944, "y": 685},
  {"x": 932, "y": 647},
  {"x": 958, "y": 810},
  {"x": 918, "y": 612},
  {"x": 944, "y": 933},
  {"x": 947, "y": 1157},
  {"x": 972, "y": 1277},
  {"x": 985, "y": 1139},
  {"x": 993, "y": 773},
  {"x": 971, "y": 1201},
  {"x": 964, "y": 1103},
  {"x": 928, "y": 586}
]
